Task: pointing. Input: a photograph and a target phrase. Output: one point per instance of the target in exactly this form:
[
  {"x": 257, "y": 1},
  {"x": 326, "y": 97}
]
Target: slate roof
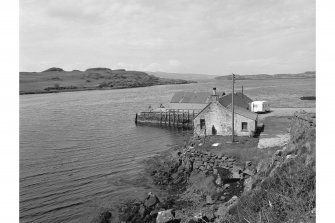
[
  {"x": 192, "y": 97},
  {"x": 244, "y": 112},
  {"x": 238, "y": 110},
  {"x": 239, "y": 100}
]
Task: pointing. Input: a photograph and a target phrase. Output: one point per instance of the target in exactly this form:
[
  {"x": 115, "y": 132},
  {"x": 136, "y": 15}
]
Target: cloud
[
  {"x": 207, "y": 36},
  {"x": 174, "y": 63}
]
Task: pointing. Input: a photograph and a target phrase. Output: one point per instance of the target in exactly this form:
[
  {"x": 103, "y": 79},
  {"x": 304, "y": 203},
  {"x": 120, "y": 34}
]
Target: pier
[{"x": 170, "y": 118}]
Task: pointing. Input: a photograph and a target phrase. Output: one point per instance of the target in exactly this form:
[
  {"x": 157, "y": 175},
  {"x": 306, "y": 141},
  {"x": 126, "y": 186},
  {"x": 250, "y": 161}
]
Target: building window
[
  {"x": 244, "y": 126},
  {"x": 202, "y": 123}
]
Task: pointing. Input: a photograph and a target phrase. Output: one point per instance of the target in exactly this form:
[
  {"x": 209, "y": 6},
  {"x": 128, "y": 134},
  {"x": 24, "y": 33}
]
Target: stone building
[{"x": 216, "y": 119}]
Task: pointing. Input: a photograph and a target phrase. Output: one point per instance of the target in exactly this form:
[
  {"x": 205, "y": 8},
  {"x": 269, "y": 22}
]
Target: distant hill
[
  {"x": 186, "y": 76},
  {"x": 307, "y": 74},
  {"x": 57, "y": 80}
]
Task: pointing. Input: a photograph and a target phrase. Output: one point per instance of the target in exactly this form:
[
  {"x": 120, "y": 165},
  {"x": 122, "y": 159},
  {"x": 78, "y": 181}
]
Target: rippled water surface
[{"x": 79, "y": 149}]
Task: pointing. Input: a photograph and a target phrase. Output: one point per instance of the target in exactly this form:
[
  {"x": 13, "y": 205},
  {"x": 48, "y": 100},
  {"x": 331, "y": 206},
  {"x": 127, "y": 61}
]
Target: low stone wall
[{"x": 207, "y": 162}]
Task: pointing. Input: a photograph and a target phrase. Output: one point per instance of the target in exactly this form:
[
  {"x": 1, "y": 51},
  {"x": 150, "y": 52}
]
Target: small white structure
[{"x": 260, "y": 106}]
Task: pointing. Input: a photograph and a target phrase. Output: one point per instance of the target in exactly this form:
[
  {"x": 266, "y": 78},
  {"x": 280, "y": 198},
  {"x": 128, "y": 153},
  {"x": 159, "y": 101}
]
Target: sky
[{"x": 216, "y": 37}]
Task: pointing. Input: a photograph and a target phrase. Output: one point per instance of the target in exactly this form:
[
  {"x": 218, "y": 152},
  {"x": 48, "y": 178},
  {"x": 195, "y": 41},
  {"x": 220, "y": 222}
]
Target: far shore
[{"x": 87, "y": 89}]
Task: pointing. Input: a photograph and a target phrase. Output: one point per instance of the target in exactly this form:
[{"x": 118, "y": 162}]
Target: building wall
[{"x": 215, "y": 114}]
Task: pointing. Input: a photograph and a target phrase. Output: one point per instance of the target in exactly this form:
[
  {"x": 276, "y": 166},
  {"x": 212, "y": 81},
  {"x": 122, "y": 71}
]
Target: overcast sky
[{"x": 188, "y": 36}]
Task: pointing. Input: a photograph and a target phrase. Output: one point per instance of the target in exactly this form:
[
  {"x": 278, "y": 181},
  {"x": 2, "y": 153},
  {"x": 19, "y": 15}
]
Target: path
[
  {"x": 284, "y": 112},
  {"x": 276, "y": 128}
]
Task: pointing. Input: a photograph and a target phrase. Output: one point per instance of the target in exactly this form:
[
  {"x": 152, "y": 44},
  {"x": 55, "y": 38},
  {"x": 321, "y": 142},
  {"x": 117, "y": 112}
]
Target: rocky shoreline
[{"x": 212, "y": 186}]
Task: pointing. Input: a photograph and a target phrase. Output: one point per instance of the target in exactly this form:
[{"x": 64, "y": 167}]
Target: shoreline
[
  {"x": 87, "y": 89},
  {"x": 207, "y": 184}
]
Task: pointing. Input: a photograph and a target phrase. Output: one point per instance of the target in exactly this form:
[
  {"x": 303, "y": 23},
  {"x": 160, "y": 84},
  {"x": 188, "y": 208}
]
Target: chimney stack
[{"x": 214, "y": 90}]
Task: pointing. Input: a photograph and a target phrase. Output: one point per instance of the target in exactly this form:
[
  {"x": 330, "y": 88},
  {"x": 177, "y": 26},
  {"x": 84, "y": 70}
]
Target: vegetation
[
  {"x": 285, "y": 189},
  {"x": 56, "y": 79}
]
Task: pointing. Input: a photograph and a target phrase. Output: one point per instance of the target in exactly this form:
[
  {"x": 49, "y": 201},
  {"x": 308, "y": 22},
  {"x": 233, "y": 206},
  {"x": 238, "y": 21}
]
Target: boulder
[
  {"x": 248, "y": 172},
  {"x": 278, "y": 152},
  {"x": 105, "y": 217},
  {"x": 188, "y": 165},
  {"x": 154, "y": 213},
  {"x": 226, "y": 207},
  {"x": 248, "y": 184},
  {"x": 224, "y": 158},
  {"x": 236, "y": 173},
  {"x": 248, "y": 163},
  {"x": 215, "y": 171},
  {"x": 226, "y": 186},
  {"x": 209, "y": 199},
  {"x": 142, "y": 211},
  {"x": 231, "y": 160},
  {"x": 197, "y": 164},
  {"x": 165, "y": 216},
  {"x": 176, "y": 154},
  {"x": 209, "y": 215},
  {"x": 151, "y": 200},
  {"x": 219, "y": 190},
  {"x": 291, "y": 156},
  {"x": 218, "y": 181},
  {"x": 192, "y": 220}
]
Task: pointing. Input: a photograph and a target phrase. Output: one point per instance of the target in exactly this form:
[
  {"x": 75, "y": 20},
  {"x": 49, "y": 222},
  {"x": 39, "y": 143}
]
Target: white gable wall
[{"x": 219, "y": 117}]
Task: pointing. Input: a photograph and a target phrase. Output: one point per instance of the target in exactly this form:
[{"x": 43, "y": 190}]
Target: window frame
[
  {"x": 202, "y": 123},
  {"x": 246, "y": 125}
]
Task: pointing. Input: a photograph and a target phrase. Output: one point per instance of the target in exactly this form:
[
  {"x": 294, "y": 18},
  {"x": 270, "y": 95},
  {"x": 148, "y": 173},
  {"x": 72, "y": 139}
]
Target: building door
[{"x": 213, "y": 130}]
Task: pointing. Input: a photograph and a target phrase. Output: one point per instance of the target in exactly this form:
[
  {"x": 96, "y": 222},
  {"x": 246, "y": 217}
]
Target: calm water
[{"x": 82, "y": 150}]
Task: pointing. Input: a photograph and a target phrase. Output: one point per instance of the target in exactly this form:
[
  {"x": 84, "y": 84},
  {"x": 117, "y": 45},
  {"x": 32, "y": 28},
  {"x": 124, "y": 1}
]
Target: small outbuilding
[
  {"x": 216, "y": 119},
  {"x": 260, "y": 106}
]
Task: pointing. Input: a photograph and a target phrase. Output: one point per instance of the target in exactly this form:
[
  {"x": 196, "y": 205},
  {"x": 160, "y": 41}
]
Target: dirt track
[
  {"x": 276, "y": 130},
  {"x": 284, "y": 112}
]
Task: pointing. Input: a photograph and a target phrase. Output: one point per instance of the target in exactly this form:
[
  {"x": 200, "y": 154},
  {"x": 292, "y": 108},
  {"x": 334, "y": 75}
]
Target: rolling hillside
[{"x": 56, "y": 80}]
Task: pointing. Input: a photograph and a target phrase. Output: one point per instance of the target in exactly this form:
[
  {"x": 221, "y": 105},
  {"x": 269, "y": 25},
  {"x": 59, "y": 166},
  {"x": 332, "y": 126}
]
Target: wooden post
[
  {"x": 232, "y": 102},
  {"x": 182, "y": 122},
  {"x": 169, "y": 117},
  {"x": 177, "y": 117},
  {"x": 161, "y": 118}
]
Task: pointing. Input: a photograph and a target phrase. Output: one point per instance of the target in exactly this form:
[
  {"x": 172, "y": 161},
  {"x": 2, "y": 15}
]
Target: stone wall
[
  {"x": 192, "y": 159},
  {"x": 219, "y": 117}
]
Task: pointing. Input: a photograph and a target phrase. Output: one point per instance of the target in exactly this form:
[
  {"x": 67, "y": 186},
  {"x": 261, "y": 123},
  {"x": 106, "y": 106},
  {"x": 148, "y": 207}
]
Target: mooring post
[
  {"x": 161, "y": 118},
  {"x": 169, "y": 117},
  {"x": 182, "y": 122},
  {"x": 177, "y": 117}
]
